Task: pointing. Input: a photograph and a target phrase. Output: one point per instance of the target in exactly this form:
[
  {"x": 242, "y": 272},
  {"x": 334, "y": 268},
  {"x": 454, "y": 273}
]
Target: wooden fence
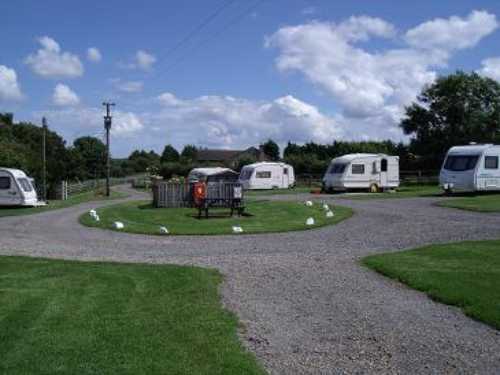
[
  {"x": 179, "y": 194},
  {"x": 67, "y": 189}
]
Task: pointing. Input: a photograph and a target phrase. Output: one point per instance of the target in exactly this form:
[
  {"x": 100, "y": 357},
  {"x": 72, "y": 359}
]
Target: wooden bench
[{"x": 220, "y": 195}]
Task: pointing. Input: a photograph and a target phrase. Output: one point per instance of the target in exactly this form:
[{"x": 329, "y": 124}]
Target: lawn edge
[{"x": 350, "y": 213}]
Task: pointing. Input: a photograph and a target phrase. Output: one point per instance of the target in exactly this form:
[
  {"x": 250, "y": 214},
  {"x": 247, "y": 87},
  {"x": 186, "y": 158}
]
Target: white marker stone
[
  {"x": 237, "y": 229},
  {"x": 118, "y": 225},
  {"x": 309, "y": 203},
  {"x": 163, "y": 230},
  {"x": 326, "y": 207},
  {"x": 310, "y": 221},
  {"x": 329, "y": 214}
]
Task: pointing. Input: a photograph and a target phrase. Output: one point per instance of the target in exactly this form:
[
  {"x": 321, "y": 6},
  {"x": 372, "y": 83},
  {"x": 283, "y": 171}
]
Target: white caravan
[
  {"x": 375, "y": 172},
  {"x": 267, "y": 175},
  {"x": 16, "y": 189},
  {"x": 471, "y": 168}
]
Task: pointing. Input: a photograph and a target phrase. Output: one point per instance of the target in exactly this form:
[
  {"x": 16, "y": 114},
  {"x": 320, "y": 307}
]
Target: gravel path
[{"x": 307, "y": 305}]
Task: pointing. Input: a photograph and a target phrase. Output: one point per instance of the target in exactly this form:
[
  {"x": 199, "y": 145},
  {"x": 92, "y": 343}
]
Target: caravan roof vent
[{"x": 472, "y": 143}]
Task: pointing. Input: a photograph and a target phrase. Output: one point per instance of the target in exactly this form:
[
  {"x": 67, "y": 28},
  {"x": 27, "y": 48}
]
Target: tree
[
  {"x": 141, "y": 161},
  {"x": 189, "y": 153},
  {"x": 91, "y": 153},
  {"x": 169, "y": 154},
  {"x": 456, "y": 109},
  {"x": 271, "y": 149}
]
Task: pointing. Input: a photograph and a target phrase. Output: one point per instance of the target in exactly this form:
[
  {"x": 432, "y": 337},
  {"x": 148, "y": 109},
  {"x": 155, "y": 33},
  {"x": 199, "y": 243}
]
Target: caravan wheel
[{"x": 374, "y": 188}]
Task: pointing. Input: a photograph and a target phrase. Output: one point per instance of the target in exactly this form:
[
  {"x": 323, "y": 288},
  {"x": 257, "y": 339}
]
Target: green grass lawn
[
  {"x": 296, "y": 190},
  {"x": 57, "y": 204},
  {"x": 474, "y": 202},
  {"x": 465, "y": 274},
  {"x": 62, "y": 317},
  {"x": 264, "y": 216},
  {"x": 408, "y": 191}
]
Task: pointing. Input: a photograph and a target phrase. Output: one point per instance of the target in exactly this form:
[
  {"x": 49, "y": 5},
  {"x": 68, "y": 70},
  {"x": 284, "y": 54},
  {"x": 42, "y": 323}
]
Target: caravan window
[
  {"x": 25, "y": 184},
  {"x": 246, "y": 174},
  {"x": 263, "y": 174},
  {"x": 491, "y": 162},
  {"x": 4, "y": 183},
  {"x": 383, "y": 165},
  {"x": 459, "y": 163},
  {"x": 358, "y": 169},
  {"x": 337, "y": 168}
]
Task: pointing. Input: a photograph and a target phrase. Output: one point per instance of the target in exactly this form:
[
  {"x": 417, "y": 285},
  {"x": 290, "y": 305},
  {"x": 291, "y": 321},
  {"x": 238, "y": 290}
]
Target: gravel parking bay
[{"x": 306, "y": 304}]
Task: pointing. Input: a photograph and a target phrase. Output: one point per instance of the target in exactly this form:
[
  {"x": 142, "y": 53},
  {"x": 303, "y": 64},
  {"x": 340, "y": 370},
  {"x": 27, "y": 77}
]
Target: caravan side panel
[
  {"x": 10, "y": 193},
  {"x": 487, "y": 176}
]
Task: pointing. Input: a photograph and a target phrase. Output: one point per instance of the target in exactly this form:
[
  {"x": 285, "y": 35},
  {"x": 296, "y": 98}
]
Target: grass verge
[
  {"x": 102, "y": 318},
  {"x": 263, "y": 217},
  {"x": 476, "y": 202},
  {"x": 57, "y": 204},
  {"x": 409, "y": 191},
  {"x": 465, "y": 274}
]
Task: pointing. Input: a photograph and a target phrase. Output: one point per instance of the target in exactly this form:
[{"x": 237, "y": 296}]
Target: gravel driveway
[{"x": 307, "y": 305}]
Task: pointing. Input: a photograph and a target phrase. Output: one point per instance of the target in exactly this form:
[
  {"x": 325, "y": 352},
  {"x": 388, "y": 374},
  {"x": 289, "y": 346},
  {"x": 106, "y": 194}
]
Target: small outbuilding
[{"x": 212, "y": 175}]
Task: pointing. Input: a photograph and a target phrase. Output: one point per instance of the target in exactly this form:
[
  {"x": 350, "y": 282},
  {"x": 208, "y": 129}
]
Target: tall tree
[
  {"x": 91, "y": 152},
  {"x": 190, "y": 153},
  {"x": 169, "y": 154},
  {"x": 456, "y": 109},
  {"x": 271, "y": 149}
]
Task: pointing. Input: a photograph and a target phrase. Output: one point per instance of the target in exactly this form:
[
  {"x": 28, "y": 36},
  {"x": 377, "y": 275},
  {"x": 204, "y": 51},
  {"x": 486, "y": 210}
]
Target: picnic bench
[{"x": 218, "y": 195}]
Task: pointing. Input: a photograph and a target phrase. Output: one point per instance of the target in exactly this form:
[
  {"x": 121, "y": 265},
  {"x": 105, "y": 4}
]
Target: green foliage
[
  {"x": 89, "y": 157},
  {"x": 189, "y": 153},
  {"x": 66, "y": 317},
  {"x": 169, "y": 154},
  {"x": 313, "y": 158},
  {"x": 245, "y": 160},
  {"x": 142, "y": 161},
  {"x": 171, "y": 169},
  {"x": 271, "y": 149},
  {"x": 455, "y": 110}
]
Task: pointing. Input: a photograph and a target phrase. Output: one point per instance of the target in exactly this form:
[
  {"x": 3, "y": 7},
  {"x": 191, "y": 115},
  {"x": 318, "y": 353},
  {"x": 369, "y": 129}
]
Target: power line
[
  {"x": 199, "y": 27},
  {"x": 227, "y": 26}
]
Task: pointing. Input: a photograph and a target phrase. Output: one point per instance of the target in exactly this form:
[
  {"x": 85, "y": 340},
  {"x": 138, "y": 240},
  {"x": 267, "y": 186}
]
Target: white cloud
[
  {"x": 371, "y": 88},
  {"x": 452, "y": 33},
  {"x": 73, "y": 122},
  {"x": 128, "y": 86},
  {"x": 50, "y": 62},
  {"x": 63, "y": 96},
  {"x": 210, "y": 121},
  {"x": 168, "y": 99},
  {"x": 491, "y": 68},
  {"x": 144, "y": 60},
  {"x": 9, "y": 87},
  {"x": 224, "y": 121},
  {"x": 94, "y": 55}
]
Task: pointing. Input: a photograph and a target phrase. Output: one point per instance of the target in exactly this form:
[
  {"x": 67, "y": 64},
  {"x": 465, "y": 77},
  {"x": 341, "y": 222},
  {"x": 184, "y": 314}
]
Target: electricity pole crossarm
[{"x": 107, "y": 127}]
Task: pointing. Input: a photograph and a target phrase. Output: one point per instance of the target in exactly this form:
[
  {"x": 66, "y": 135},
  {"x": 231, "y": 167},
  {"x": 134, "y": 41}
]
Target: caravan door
[
  {"x": 286, "y": 178},
  {"x": 9, "y": 194},
  {"x": 383, "y": 173}
]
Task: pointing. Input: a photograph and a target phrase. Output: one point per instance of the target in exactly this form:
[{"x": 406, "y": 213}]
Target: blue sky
[{"x": 289, "y": 70}]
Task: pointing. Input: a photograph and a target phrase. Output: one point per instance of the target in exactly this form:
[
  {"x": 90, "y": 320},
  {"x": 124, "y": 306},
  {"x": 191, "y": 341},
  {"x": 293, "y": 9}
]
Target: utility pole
[
  {"x": 107, "y": 126},
  {"x": 44, "y": 158}
]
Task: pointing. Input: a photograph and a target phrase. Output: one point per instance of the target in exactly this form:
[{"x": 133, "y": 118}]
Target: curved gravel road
[{"x": 307, "y": 305}]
